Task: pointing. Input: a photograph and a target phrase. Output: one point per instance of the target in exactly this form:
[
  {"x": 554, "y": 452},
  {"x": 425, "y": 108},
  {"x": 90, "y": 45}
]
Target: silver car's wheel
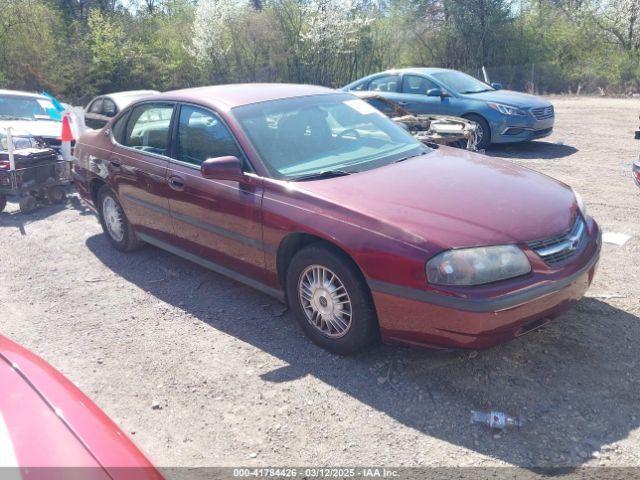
[
  {"x": 325, "y": 301},
  {"x": 113, "y": 218}
]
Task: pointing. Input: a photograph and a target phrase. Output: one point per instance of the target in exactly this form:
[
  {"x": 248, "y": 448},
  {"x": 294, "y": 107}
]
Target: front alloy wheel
[
  {"x": 325, "y": 301},
  {"x": 330, "y": 299}
]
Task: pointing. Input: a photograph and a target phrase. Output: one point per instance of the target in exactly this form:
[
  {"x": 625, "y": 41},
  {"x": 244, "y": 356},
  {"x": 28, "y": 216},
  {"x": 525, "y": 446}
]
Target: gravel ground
[{"x": 201, "y": 370}]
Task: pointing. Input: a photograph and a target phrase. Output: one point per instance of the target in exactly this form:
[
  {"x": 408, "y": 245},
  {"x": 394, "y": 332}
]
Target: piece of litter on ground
[
  {"x": 606, "y": 296},
  {"x": 615, "y": 238}
]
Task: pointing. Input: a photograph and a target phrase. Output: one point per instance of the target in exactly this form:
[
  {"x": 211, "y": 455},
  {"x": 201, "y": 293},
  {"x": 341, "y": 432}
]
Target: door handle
[
  {"x": 176, "y": 183},
  {"x": 115, "y": 163},
  {"x": 403, "y": 103}
]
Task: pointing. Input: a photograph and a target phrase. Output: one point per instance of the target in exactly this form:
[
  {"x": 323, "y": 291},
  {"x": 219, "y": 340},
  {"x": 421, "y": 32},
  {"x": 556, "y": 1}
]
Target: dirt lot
[{"x": 237, "y": 383}]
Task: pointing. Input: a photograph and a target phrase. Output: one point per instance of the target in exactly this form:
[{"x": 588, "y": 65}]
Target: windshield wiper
[
  {"x": 402, "y": 159},
  {"x": 322, "y": 174},
  {"x": 477, "y": 91}
]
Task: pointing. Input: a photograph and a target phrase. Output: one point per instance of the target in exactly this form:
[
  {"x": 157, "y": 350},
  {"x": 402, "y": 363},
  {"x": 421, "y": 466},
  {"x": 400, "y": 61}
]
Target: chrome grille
[
  {"x": 557, "y": 249},
  {"x": 542, "y": 113}
]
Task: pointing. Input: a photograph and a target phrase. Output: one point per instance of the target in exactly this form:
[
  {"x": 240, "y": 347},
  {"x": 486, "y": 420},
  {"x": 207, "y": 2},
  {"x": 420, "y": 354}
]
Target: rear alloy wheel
[
  {"x": 483, "y": 134},
  {"x": 28, "y": 204},
  {"x": 330, "y": 299},
  {"x": 114, "y": 222}
]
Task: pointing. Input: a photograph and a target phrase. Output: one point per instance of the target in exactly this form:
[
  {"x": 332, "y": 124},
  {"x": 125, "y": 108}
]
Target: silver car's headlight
[
  {"x": 506, "y": 109},
  {"x": 581, "y": 205},
  {"x": 475, "y": 266}
]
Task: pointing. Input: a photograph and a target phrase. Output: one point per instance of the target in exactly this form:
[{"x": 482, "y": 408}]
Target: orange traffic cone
[
  {"x": 67, "y": 134},
  {"x": 66, "y": 137}
]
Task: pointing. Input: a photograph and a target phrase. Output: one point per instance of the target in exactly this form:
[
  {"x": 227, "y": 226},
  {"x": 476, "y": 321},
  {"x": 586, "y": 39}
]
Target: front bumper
[
  {"x": 520, "y": 129},
  {"x": 420, "y": 318}
]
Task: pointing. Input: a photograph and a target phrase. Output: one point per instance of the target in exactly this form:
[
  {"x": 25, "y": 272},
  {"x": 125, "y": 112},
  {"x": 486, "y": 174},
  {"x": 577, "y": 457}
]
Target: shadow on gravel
[
  {"x": 15, "y": 218},
  {"x": 531, "y": 150},
  {"x": 575, "y": 384}
]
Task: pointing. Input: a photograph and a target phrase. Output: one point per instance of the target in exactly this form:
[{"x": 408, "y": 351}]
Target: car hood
[
  {"x": 45, "y": 421},
  {"x": 509, "y": 97},
  {"x": 452, "y": 198},
  {"x": 37, "y": 128}
]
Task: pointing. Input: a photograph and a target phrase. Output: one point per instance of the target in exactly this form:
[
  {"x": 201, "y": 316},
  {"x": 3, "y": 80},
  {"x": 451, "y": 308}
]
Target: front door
[
  {"x": 138, "y": 168},
  {"x": 414, "y": 97},
  {"x": 217, "y": 220}
]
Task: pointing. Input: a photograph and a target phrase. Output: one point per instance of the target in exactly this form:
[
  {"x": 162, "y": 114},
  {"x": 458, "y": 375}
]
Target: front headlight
[
  {"x": 581, "y": 205},
  {"x": 506, "y": 109},
  {"x": 475, "y": 266}
]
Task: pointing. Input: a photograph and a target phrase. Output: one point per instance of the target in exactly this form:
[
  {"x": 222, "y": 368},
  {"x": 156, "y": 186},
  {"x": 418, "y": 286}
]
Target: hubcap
[
  {"x": 113, "y": 218},
  {"x": 325, "y": 301}
]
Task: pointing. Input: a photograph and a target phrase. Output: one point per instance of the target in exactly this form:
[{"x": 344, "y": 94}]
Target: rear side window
[
  {"x": 108, "y": 107},
  {"x": 96, "y": 106},
  {"x": 386, "y": 83},
  {"x": 118, "y": 127},
  {"x": 417, "y": 85},
  {"x": 148, "y": 128},
  {"x": 202, "y": 135}
]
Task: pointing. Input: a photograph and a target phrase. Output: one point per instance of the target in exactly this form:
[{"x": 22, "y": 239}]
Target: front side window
[
  {"x": 296, "y": 137},
  {"x": 386, "y": 83},
  {"x": 417, "y": 85},
  {"x": 202, "y": 135},
  {"x": 16, "y": 107},
  {"x": 148, "y": 128}
]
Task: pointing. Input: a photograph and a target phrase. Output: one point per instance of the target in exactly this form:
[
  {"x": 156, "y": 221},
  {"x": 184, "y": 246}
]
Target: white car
[{"x": 30, "y": 112}]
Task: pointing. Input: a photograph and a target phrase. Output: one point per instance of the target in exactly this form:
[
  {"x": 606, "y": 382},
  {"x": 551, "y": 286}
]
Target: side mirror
[
  {"x": 496, "y": 86},
  {"x": 222, "y": 168},
  {"x": 434, "y": 92}
]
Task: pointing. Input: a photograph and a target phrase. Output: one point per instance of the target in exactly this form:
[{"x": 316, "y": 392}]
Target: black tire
[
  {"x": 56, "y": 195},
  {"x": 129, "y": 240},
  {"x": 3, "y": 202},
  {"x": 363, "y": 327},
  {"x": 483, "y": 130},
  {"x": 28, "y": 204}
]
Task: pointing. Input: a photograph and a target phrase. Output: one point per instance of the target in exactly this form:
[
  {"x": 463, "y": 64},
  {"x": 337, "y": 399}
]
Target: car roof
[
  {"x": 122, "y": 99},
  {"x": 235, "y": 95},
  {"x": 417, "y": 70},
  {"x": 21, "y": 94}
]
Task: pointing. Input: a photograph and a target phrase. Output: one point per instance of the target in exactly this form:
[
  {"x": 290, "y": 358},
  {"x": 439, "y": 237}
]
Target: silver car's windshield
[
  {"x": 17, "y": 107},
  {"x": 461, "y": 82},
  {"x": 323, "y": 134}
]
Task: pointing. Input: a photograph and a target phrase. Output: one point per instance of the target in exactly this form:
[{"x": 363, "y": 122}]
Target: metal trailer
[{"x": 31, "y": 173}]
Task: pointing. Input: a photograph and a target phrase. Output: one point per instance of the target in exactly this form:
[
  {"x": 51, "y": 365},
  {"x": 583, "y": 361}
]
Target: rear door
[
  {"x": 218, "y": 220},
  {"x": 138, "y": 168}
]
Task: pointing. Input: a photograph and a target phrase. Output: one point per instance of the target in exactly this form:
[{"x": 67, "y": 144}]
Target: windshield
[
  {"x": 461, "y": 82},
  {"x": 13, "y": 107},
  {"x": 298, "y": 137}
]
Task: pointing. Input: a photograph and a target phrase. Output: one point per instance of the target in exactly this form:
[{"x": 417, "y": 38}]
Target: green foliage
[{"x": 77, "y": 49}]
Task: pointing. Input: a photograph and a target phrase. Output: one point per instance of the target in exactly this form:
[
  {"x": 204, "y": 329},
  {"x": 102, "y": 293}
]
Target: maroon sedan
[
  {"x": 49, "y": 429},
  {"x": 315, "y": 197}
]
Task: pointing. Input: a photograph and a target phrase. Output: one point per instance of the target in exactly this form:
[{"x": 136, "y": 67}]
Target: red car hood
[
  {"x": 454, "y": 198},
  {"x": 45, "y": 421}
]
